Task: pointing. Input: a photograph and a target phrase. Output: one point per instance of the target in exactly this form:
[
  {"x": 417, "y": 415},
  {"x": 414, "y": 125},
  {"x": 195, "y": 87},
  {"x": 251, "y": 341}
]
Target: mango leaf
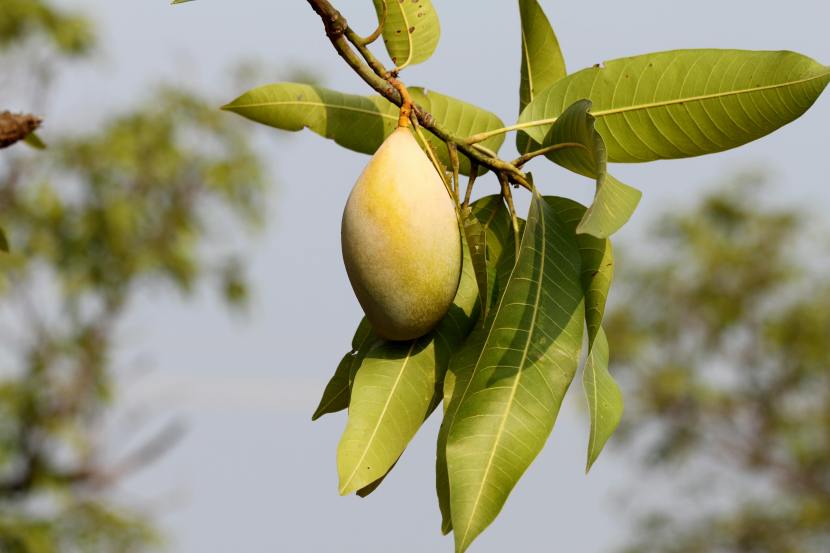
[
  {"x": 174, "y": 2},
  {"x": 614, "y": 202},
  {"x": 500, "y": 257},
  {"x": 411, "y": 30},
  {"x": 507, "y": 404},
  {"x": 476, "y": 238},
  {"x": 367, "y": 490},
  {"x": 605, "y": 401},
  {"x": 542, "y": 60},
  {"x": 395, "y": 390},
  {"x": 360, "y": 123},
  {"x": 338, "y": 390},
  {"x": 685, "y": 103}
]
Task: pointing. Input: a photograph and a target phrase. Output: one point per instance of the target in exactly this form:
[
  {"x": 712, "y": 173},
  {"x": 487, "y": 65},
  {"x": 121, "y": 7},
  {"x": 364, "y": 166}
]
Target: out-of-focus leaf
[
  {"x": 34, "y": 140},
  {"x": 411, "y": 30},
  {"x": 685, "y": 103},
  {"x": 4, "y": 242},
  {"x": 505, "y": 404},
  {"x": 360, "y": 123}
]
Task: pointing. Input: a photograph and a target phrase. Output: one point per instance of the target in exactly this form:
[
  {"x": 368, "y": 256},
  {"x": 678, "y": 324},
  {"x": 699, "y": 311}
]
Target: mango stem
[{"x": 406, "y": 102}]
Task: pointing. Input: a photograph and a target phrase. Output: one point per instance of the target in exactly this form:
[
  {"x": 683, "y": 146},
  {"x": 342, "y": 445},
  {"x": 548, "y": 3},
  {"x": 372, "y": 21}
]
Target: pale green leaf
[
  {"x": 500, "y": 256},
  {"x": 360, "y": 123},
  {"x": 605, "y": 399},
  {"x": 542, "y": 60},
  {"x": 605, "y": 402},
  {"x": 411, "y": 30},
  {"x": 507, "y": 404},
  {"x": 396, "y": 387},
  {"x": 685, "y": 103},
  {"x": 336, "y": 395},
  {"x": 476, "y": 238},
  {"x": 614, "y": 202}
]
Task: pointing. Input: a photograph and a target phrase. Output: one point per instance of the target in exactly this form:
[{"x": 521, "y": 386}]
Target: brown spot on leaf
[{"x": 412, "y": 29}]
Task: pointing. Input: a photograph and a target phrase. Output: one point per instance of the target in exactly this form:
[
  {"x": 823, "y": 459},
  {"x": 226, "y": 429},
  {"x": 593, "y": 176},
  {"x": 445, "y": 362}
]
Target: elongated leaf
[
  {"x": 338, "y": 390},
  {"x": 476, "y": 238},
  {"x": 614, "y": 202},
  {"x": 395, "y": 389},
  {"x": 508, "y": 404},
  {"x": 360, "y": 123},
  {"x": 500, "y": 257},
  {"x": 411, "y": 30},
  {"x": 605, "y": 402},
  {"x": 542, "y": 60},
  {"x": 685, "y": 103}
]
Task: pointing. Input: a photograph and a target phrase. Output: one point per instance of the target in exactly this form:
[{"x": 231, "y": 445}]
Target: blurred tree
[
  {"x": 142, "y": 201},
  {"x": 722, "y": 346}
]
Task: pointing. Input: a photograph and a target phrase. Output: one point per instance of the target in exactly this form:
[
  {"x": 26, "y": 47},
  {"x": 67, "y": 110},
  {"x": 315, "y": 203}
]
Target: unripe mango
[{"x": 401, "y": 241}]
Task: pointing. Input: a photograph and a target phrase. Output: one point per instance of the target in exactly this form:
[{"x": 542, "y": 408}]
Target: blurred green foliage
[
  {"x": 69, "y": 33},
  {"x": 722, "y": 346},
  {"x": 145, "y": 200}
]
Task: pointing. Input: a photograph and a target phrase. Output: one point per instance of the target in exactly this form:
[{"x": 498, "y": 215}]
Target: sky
[{"x": 253, "y": 473}]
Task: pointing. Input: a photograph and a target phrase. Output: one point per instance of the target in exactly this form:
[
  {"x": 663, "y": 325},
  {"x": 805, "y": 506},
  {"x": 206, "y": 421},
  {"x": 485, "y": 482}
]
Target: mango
[{"x": 401, "y": 241}]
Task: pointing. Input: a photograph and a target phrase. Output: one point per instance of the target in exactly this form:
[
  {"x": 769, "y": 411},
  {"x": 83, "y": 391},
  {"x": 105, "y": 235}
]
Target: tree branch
[{"x": 375, "y": 75}]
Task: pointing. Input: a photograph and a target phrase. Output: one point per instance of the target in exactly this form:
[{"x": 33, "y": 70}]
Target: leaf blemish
[{"x": 412, "y": 29}]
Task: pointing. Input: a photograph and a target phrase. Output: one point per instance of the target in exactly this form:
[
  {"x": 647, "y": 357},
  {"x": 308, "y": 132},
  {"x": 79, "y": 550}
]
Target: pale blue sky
[{"x": 254, "y": 474}]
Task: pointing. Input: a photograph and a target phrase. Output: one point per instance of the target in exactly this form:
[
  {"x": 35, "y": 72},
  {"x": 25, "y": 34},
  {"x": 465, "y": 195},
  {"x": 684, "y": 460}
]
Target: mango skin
[{"x": 401, "y": 241}]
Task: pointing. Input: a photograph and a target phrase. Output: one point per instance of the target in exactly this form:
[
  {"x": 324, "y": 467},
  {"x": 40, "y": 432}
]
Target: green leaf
[
  {"x": 411, "y": 30},
  {"x": 174, "y": 2},
  {"x": 338, "y": 390},
  {"x": 542, "y": 60},
  {"x": 34, "y": 140},
  {"x": 360, "y": 123},
  {"x": 367, "y": 490},
  {"x": 396, "y": 387},
  {"x": 685, "y": 103},
  {"x": 4, "y": 242},
  {"x": 605, "y": 399},
  {"x": 614, "y": 202},
  {"x": 605, "y": 402},
  {"x": 507, "y": 404},
  {"x": 500, "y": 257},
  {"x": 476, "y": 238}
]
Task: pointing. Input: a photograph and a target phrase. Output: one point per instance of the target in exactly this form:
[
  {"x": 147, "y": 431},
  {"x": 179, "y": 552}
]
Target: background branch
[{"x": 16, "y": 126}]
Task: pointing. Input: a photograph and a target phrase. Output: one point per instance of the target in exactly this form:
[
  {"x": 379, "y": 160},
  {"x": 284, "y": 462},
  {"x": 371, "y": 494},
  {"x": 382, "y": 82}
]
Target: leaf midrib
[
  {"x": 500, "y": 432},
  {"x": 315, "y": 104},
  {"x": 703, "y": 97},
  {"x": 665, "y": 103},
  {"x": 383, "y": 414}
]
